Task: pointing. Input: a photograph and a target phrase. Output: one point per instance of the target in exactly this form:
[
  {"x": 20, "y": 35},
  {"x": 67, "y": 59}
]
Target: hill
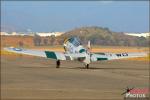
[{"x": 104, "y": 36}]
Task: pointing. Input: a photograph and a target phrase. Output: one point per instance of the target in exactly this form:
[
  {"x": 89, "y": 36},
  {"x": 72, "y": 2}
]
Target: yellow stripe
[{"x": 66, "y": 40}]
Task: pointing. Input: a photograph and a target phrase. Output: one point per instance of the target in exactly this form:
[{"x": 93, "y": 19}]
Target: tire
[
  {"x": 87, "y": 66},
  {"x": 58, "y": 64}
]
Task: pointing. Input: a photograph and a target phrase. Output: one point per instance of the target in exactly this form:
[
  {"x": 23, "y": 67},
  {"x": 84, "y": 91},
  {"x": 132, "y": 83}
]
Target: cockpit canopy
[{"x": 75, "y": 41}]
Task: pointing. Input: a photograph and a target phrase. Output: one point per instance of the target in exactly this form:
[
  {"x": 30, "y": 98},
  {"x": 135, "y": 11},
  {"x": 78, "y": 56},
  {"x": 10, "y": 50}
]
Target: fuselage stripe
[{"x": 99, "y": 59}]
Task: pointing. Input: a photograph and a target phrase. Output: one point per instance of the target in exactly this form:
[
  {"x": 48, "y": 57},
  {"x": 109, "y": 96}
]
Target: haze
[{"x": 46, "y": 16}]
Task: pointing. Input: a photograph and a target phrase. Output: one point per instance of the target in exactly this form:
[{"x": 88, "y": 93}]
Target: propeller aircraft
[{"x": 74, "y": 50}]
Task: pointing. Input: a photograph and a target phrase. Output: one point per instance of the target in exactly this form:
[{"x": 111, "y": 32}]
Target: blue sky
[{"x": 46, "y": 16}]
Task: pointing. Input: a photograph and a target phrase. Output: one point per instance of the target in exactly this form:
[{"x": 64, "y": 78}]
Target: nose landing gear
[{"x": 87, "y": 66}]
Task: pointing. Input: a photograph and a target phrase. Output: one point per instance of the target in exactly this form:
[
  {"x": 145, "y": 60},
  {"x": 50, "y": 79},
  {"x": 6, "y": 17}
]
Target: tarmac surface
[{"x": 27, "y": 78}]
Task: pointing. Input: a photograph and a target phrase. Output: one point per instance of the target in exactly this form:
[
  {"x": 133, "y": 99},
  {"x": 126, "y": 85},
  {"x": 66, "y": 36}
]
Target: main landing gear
[
  {"x": 87, "y": 66},
  {"x": 58, "y": 64}
]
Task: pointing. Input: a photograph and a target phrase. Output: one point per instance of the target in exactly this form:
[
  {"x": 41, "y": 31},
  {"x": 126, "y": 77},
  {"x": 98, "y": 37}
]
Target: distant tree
[
  {"x": 52, "y": 40},
  {"x": 143, "y": 41},
  {"x": 45, "y": 41},
  {"x": 106, "y": 28},
  {"x": 20, "y": 44},
  {"x": 37, "y": 40}
]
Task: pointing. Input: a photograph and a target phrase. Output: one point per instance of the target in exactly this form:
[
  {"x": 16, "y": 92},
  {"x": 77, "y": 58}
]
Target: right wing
[
  {"x": 46, "y": 54},
  {"x": 112, "y": 56}
]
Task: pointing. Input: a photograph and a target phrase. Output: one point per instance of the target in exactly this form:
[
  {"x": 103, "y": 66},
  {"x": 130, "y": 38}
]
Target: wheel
[
  {"x": 87, "y": 66},
  {"x": 57, "y": 63}
]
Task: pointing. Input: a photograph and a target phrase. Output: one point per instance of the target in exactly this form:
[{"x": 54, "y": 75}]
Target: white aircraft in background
[{"x": 75, "y": 51}]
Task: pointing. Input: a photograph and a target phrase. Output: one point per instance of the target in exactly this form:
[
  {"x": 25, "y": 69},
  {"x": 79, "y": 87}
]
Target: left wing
[
  {"x": 112, "y": 56},
  {"x": 46, "y": 54}
]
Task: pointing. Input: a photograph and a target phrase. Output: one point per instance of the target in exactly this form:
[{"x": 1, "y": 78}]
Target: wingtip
[{"x": 7, "y": 48}]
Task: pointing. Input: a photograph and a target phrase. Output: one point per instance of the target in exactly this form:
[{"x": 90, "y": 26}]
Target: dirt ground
[{"x": 24, "y": 77}]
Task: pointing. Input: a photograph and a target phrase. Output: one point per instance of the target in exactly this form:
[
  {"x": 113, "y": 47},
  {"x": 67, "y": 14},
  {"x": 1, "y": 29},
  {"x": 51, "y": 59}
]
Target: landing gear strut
[
  {"x": 87, "y": 66},
  {"x": 57, "y": 63}
]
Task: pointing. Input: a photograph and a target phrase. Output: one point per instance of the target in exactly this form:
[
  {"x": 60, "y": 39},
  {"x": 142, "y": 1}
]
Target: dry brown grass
[{"x": 14, "y": 40}]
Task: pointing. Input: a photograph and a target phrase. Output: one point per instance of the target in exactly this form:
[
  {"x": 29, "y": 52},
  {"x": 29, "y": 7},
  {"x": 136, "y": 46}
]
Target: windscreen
[{"x": 75, "y": 41}]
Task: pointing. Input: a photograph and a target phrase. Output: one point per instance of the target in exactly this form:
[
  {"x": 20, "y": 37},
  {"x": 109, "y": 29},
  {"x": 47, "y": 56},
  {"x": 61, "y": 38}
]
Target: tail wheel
[
  {"x": 87, "y": 66},
  {"x": 57, "y": 63}
]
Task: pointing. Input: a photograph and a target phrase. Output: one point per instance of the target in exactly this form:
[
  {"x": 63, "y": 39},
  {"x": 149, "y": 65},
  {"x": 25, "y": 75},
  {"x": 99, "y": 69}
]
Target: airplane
[{"x": 74, "y": 50}]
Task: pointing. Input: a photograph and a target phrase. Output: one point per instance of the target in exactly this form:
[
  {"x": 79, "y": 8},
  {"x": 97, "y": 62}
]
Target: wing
[
  {"x": 46, "y": 54},
  {"x": 112, "y": 56}
]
